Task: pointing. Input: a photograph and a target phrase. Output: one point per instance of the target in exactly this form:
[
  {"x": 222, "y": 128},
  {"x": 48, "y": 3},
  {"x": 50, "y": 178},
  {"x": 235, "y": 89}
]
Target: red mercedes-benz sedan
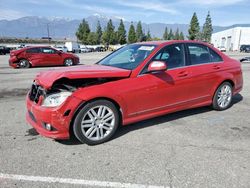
[
  {"x": 134, "y": 83},
  {"x": 41, "y": 56}
]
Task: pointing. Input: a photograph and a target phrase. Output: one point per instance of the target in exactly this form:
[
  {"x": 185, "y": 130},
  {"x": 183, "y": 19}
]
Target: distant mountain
[{"x": 37, "y": 27}]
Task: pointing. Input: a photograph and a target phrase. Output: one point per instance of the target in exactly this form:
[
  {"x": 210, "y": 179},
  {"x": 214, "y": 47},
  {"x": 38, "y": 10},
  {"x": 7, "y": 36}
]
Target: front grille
[{"x": 35, "y": 92}]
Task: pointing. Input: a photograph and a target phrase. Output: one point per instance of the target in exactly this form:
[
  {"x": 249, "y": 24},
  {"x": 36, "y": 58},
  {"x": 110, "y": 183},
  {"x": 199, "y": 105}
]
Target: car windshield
[{"x": 128, "y": 57}]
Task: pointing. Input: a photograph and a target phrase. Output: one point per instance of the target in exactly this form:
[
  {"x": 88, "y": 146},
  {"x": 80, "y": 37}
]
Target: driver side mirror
[{"x": 157, "y": 66}]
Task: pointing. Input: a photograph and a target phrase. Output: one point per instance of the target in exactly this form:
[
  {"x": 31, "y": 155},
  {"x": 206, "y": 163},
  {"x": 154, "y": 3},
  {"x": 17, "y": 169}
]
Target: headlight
[{"x": 56, "y": 99}]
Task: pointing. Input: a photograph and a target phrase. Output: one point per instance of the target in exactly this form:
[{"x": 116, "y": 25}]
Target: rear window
[
  {"x": 201, "y": 54},
  {"x": 214, "y": 57},
  {"x": 33, "y": 50}
]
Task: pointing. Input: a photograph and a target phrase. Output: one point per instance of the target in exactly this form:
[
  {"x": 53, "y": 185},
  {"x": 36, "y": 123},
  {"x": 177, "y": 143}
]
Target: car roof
[{"x": 164, "y": 42}]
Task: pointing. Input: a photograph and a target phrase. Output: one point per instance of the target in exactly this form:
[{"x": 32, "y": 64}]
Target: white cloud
[
  {"x": 149, "y": 5},
  {"x": 9, "y": 14},
  {"x": 212, "y": 2}
]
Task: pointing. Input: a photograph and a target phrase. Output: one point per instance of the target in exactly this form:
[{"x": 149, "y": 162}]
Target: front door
[{"x": 163, "y": 90}]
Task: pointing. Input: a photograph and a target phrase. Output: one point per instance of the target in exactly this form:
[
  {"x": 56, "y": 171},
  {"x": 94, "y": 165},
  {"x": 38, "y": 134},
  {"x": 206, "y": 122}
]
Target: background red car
[
  {"x": 41, "y": 56},
  {"x": 134, "y": 83}
]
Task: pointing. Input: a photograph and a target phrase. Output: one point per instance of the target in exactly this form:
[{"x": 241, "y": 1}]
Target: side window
[
  {"x": 214, "y": 56},
  {"x": 173, "y": 55},
  {"x": 48, "y": 51},
  {"x": 33, "y": 50},
  {"x": 199, "y": 54}
]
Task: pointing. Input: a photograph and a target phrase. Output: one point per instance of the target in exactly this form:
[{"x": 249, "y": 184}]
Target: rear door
[
  {"x": 204, "y": 67},
  {"x": 51, "y": 56},
  {"x": 33, "y": 55}
]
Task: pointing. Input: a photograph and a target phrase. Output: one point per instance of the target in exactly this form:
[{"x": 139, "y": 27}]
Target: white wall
[{"x": 232, "y": 38}]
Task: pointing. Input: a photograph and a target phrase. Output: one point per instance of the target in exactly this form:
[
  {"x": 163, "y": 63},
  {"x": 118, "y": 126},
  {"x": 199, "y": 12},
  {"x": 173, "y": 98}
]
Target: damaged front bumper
[{"x": 52, "y": 122}]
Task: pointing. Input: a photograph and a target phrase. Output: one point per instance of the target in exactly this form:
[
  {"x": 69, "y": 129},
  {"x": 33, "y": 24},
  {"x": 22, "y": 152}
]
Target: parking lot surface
[{"x": 193, "y": 148}]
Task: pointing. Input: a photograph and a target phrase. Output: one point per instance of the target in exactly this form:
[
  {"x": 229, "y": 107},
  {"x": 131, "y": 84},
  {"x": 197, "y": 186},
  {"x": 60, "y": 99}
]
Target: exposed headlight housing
[{"x": 56, "y": 99}]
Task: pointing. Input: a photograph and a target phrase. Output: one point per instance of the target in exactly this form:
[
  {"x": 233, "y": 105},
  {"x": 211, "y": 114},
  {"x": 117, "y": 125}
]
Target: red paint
[
  {"x": 39, "y": 58},
  {"x": 139, "y": 96}
]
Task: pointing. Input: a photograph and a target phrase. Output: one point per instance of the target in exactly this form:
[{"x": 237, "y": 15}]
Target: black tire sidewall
[
  {"x": 215, "y": 102},
  {"x": 27, "y": 64},
  {"x": 77, "y": 122}
]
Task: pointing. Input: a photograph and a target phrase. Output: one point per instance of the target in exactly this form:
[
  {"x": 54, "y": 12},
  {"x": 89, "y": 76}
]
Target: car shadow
[{"x": 122, "y": 130}]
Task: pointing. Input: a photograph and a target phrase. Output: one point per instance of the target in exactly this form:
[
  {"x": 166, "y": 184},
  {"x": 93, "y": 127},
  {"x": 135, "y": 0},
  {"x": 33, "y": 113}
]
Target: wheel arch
[{"x": 221, "y": 82}]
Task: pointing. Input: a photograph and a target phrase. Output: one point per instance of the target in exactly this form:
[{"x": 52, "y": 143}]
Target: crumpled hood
[{"x": 47, "y": 78}]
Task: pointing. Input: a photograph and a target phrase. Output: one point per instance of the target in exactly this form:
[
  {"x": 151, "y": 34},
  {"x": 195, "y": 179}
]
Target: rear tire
[
  {"x": 24, "y": 63},
  {"x": 223, "y": 97},
  {"x": 96, "y": 122}
]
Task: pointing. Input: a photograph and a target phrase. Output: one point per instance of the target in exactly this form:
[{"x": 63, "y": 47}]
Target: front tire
[
  {"x": 223, "y": 97},
  {"x": 96, "y": 122},
  {"x": 68, "y": 62}
]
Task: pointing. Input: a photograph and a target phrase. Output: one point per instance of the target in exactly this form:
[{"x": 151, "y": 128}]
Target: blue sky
[{"x": 223, "y": 12}]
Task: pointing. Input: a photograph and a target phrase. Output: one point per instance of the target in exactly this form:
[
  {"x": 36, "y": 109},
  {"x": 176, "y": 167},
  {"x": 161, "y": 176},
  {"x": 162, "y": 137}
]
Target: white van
[{"x": 73, "y": 47}]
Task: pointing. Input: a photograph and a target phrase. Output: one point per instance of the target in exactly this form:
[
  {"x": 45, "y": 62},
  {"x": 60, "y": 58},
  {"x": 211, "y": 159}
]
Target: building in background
[{"x": 232, "y": 38}]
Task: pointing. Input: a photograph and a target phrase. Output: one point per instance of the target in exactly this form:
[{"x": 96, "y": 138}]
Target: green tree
[
  {"x": 83, "y": 32},
  {"x": 139, "y": 32},
  {"x": 121, "y": 33},
  {"x": 177, "y": 34},
  {"x": 108, "y": 34},
  {"x": 114, "y": 38},
  {"x": 148, "y": 36},
  {"x": 181, "y": 37},
  {"x": 165, "y": 34},
  {"x": 170, "y": 35},
  {"x": 194, "y": 28},
  {"x": 92, "y": 38},
  {"x": 98, "y": 32},
  {"x": 131, "y": 34},
  {"x": 207, "y": 29}
]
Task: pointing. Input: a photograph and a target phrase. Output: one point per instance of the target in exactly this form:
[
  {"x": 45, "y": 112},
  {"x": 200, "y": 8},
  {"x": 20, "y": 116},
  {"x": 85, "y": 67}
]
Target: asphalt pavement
[{"x": 192, "y": 148}]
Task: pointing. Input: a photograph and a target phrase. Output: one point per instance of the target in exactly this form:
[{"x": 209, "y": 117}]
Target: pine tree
[
  {"x": 165, "y": 35},
  {"x": 92, "y": 38},
  {"x": 114, "y": 38},
  {"x": 131, "y": 34},
  {"x": 139, "y": 32},
  {"x": 108, "y": 34},
  {"x": 98, "y": 32},
  {"x": 207, "y": 29},
  {"x": 194, "y": 28},
  {"x": 148, "y": 37},
  {"x": 121, "y": 34},
  {"x": 170, "y": 35},
  {"x": 83, "y": 32},
  {"x": 181, "y": 37},
  {"x": 177, "y": 35}
]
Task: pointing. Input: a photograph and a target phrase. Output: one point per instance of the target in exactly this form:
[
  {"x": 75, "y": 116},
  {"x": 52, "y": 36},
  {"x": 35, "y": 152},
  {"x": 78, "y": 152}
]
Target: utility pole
[{"x": 48, "y": 32}]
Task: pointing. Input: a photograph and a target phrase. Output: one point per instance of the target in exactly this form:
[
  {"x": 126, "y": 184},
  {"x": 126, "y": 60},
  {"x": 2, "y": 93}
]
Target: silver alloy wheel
[
  {"x": 224, "y": 96},
  {"x": 98, "y": 122},
  {"x": 68, "y": 62}
]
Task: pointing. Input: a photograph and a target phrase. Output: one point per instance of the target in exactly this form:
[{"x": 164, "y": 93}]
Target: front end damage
[{"x": 52, "y": 119}]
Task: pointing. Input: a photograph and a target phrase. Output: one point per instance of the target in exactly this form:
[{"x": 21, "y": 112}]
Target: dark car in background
[
  {"x": 245, "y": 48},
  {"x": 41, "y": 56},
  {"x": 4, "y": 50}
]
